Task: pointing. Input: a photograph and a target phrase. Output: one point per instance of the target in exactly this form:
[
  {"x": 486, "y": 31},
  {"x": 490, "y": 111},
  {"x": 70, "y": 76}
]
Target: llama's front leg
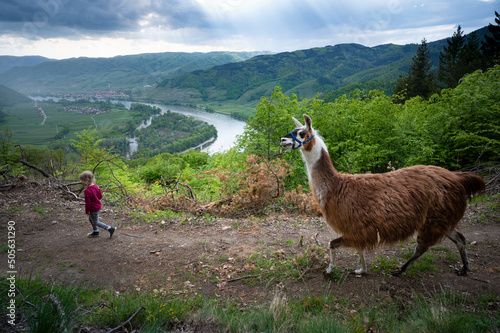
[
  {"x": 333, "y": 262},
  {"x": 362, "y": 269}
]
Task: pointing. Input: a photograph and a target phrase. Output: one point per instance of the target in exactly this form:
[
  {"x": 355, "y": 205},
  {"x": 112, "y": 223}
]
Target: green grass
[
  {"x": 233, "y": 107},
  {"x": 424, "y": 264},
  {"x": 384, "y": 264},
  {"x": 157, "y": 216},
  {"x": 327, "y": 313},
  {"x": 40, "y": 208},
  {"x": 52, "y": 308},
  {"x": 451, "y": 255}
]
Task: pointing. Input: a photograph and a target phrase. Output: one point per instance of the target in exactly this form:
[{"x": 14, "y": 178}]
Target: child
[{"x": 93, "y": 196}]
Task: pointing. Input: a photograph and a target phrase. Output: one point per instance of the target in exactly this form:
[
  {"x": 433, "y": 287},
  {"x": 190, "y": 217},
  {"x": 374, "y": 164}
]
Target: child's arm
[{"x": 86, "y": 194}]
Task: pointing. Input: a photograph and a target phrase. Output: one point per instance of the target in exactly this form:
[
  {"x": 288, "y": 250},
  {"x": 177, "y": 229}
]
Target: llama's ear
[
  {"x": 307, "y": 122},
  {"x": 297, "y": 122}
]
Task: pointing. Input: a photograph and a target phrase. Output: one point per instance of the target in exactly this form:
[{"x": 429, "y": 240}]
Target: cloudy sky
[{"x": 104, "y": 28}]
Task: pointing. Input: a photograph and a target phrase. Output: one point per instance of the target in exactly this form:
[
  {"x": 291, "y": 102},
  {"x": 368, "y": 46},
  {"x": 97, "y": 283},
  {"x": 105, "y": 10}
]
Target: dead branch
[
  {"x": 66, "y": 190},
  {"x": 59, "y": 306},
  {"x": 101, "y": 161},
  {"x": 491, "y": 175},
  {"x": 164, "y": 185},
  {"x": 275, "y": 175},
  {"x": 46, "y": 175},
  {"x": 122, "y": 188},
  {"x": 316, "y": 239},
  {"x": 23, "y": 161},
  {"x": 191, "y": 193},
  {"x": 122, "y": 326},
  {"x": 4, "y": 170},
  {"x": 73, "y": 184},
  {"x": 247, "y": 276}
]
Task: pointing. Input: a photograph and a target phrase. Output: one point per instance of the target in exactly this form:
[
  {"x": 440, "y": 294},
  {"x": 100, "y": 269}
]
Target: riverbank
[
  {"x": 228, "y": 127},
  {"x": 202, "y": 145}
]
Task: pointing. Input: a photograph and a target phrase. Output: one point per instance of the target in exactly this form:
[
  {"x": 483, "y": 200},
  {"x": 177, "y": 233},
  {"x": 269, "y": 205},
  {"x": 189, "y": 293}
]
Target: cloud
[
  {"x": 113, "y": 27},
  {"x": 58, "y": 18}
]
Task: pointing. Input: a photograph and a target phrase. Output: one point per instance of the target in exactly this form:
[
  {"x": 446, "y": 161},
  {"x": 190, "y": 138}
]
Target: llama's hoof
[
  {"x": 360, "y": 271},
  {"x": 461, "y": 272},
  {"x": 328, "y": 271}
]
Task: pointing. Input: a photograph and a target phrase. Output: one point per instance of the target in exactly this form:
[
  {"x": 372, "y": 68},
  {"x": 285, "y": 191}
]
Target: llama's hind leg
[
  {"x": 362, "y": 269},
  {"x": 333, "y": 262},
  {"x": 420, "y": 249},
  {"x": 459, "y": 240}
]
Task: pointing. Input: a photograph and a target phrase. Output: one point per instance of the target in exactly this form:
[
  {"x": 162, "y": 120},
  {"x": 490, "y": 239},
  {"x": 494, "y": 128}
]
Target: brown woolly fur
[
  {"x": 372, "y": 209},
  {"x": 426, "y": 199}
]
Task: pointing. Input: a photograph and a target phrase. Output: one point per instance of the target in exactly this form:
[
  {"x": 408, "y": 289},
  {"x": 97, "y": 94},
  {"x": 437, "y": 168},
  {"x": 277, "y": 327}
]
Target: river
[{"x": 227, "y": 127}]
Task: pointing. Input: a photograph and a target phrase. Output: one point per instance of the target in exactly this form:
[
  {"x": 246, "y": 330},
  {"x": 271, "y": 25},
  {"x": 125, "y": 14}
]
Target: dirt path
[{"x": 211, "y": 255}]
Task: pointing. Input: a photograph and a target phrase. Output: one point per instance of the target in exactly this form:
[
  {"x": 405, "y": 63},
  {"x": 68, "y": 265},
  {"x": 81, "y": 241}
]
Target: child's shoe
[
  {"x": 93, "y": 234},
  {"x": 111, "y": 231}
]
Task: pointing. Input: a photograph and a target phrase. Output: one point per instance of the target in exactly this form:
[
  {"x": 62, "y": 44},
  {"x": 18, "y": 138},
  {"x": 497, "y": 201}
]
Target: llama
[{"x": 373, "y": 209}]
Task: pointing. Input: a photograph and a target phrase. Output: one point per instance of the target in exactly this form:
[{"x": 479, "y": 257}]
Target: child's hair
[{"x": 87, "y": 177}]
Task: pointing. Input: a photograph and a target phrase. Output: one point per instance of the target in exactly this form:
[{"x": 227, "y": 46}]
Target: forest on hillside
[{"x": 172, "y": 133}]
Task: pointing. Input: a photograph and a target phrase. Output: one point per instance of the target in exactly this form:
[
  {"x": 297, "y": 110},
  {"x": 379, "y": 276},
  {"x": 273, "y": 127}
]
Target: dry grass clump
[{"x": 258, "y": 188}]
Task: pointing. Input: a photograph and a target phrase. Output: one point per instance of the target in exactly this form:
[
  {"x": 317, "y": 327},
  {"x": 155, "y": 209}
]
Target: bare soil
[{"x": 210, "y": 255}]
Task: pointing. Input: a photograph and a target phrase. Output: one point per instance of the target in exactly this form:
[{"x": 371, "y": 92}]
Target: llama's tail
[{"x": 472, "y": 183}]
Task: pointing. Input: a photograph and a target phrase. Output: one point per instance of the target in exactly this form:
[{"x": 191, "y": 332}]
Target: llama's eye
[{"x": 302, "y": 134}]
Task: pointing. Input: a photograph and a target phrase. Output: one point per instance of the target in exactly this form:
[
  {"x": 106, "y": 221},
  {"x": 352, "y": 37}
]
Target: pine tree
[
  {"x": 470, "y": 58},
  {"x": 491, "y": 46},
  {"x": 461, "y": 56},
  {"x": 449, "y": 60},
  {"x": 421, "y": 80}
]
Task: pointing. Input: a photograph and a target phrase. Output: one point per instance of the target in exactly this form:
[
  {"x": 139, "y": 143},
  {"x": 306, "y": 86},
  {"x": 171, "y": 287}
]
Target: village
[
  {"x": 97, "y": 95},
  {"x": 85, "y": 110}
]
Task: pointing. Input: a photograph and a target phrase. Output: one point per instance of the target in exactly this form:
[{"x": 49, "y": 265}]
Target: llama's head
[{"x": 302, "y": 137}]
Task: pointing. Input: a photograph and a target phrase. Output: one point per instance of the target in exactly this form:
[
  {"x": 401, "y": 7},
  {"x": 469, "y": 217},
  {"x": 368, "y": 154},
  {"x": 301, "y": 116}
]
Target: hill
[
  {"x": 341, "y": 68},
  {"x": 8, "y": 62},
  {"x": 79, "y": 75},
  {"x": 9, "y": 97},
  {"x": 242, "y": 77},
  {"x": 305, "y": 72}
]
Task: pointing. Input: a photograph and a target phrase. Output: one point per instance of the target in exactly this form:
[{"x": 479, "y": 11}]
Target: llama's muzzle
[{"x": 286, "y": 142}]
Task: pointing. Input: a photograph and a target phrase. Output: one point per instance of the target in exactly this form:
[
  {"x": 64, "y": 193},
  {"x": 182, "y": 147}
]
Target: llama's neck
[{"x": 318, "y": 163}]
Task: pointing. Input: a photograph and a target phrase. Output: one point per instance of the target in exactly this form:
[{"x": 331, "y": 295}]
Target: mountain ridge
[
  {"x": 194, "y": 78},
  {"x": 84, "y": 74}
]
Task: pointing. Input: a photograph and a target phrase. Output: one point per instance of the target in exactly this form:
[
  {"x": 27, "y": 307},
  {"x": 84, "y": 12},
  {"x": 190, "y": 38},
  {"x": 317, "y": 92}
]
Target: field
[
  {"x": 244, "y": 110},
  {"x": 28, "y": 127},
  {"x": 244, "y": 264}
]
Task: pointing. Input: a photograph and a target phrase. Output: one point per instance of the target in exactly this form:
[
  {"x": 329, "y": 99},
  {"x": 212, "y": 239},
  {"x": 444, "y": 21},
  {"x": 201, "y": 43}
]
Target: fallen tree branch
[
  {"x": 247, "y": 276},
  {"x": 22, "y": 161},
  {"x": 126, "y": 322},
  {"x": 66, "y": 190}
]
